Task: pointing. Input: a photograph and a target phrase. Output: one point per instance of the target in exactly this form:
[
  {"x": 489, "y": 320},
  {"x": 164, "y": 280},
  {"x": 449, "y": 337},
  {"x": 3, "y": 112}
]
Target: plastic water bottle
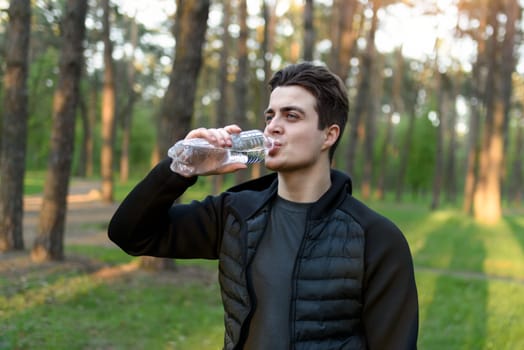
[{"x": 198, "y": 156}]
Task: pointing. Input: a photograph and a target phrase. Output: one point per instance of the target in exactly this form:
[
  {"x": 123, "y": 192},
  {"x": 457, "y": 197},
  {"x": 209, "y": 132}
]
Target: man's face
[{"x": 292, "y": 121}]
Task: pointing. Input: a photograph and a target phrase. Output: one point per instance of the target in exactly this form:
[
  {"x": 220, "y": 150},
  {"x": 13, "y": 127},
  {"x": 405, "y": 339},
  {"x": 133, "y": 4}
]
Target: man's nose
[{"x": 274, "y": 126}]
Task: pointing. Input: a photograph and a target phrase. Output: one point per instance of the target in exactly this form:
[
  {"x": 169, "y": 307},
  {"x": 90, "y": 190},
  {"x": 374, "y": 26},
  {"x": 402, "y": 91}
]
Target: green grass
[
  {"x": 81, "y": 312},
  {"x": 34, "y": 182},
  {"x": 462, "y": 313},
  {"x": 106, "y": 255},
  {"x": 470, "y": 277},
  {"x": 470, "y": 280}
]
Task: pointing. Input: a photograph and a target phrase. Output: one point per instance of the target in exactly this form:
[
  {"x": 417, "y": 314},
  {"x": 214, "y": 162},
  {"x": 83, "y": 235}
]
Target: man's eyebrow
[{"x": 286, "y": 109}]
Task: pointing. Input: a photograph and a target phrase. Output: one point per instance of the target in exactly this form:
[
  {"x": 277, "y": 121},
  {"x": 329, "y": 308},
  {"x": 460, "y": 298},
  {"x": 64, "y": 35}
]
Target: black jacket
[{"x": 353, "y": 282}]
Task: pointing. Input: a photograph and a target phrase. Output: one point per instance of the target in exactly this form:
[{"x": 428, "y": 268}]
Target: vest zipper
[
  {"x": 296, "y": 267},
  {"x": 249, "y": 285}
]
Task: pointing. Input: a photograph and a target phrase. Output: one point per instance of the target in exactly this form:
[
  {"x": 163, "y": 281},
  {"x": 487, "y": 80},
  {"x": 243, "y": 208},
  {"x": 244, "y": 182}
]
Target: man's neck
[{"x": 304, "y": 186}]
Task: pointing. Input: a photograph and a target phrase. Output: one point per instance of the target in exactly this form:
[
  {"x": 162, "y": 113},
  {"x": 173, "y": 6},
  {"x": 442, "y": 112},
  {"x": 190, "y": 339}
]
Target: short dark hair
[{"x": 329, "y": 90}]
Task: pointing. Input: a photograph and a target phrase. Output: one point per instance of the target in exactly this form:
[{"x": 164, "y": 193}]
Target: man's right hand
[{"x": 219, "y": 137}]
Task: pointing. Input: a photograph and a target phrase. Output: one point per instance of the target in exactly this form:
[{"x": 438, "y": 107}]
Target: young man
[{"x": 302, "y": 263}]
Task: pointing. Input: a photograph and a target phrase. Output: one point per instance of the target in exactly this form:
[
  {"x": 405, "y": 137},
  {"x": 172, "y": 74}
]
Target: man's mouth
[{"x": 274, "y": 149}]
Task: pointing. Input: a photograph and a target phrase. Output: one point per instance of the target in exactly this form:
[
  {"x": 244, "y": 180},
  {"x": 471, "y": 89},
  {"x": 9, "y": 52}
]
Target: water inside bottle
[
  {"x": 250, "y": 147},
  {"x": 251, "y": 156}
]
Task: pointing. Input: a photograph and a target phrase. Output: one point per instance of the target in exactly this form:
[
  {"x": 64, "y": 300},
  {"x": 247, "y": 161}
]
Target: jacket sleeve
[
  {"x": 147, "y": 222},
  {"x": 390, "y": 312}
]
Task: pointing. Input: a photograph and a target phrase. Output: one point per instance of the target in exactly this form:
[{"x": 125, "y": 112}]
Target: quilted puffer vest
[{"x": 326, "y": 303}]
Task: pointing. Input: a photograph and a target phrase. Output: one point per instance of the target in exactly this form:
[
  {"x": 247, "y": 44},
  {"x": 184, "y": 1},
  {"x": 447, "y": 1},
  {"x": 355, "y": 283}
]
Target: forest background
[
  {"x": 101, "y": 89},
  {"x": 445, "y": 123}
]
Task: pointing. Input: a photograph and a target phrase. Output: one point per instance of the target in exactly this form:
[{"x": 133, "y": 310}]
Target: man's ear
[{"x": 331, "y": 134}]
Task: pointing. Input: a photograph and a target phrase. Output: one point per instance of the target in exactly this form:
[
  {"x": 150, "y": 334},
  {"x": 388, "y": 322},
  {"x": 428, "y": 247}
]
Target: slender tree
[
  {"x": 477, "y": 106},
  {"x": 81, "y": 168},
  {"x": 442, "y": 83},
  {"x": 517, "y": 183},
  {"x": 92, "y": 117},
  {"x": 242, "y": 75},
  {"x": 126, "y": 115},
  {"x": 450, "y": 172},
  {"x": 48, "y": 244},
  {"x": 372, "y": 59},
  {"x": 268, "y": 45},
  {"x": 178, "y": 103},
  {"x": 108, "y": 108},
  {"x": 487, "y": 198},
  {"x": 343, "y": 36},
  {"x": 513, "y": 12},
  {"x": 396, "y": 108},
  {"x": 405, "y": 152},
  {"x": 14, "y": 126},
  {"x": 223, "y": 72},
  {"x": 266, "y": 52},
  {"x": 364, "y": 93},
  {"x": 309, "y": 31}
]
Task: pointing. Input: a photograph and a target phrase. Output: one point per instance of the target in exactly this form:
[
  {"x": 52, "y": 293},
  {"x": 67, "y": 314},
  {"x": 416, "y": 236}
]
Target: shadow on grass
[
  {"x": 517, "y": 228},
  {"x": 455, "y": 312},
  {"x": 129, "y": 310}
]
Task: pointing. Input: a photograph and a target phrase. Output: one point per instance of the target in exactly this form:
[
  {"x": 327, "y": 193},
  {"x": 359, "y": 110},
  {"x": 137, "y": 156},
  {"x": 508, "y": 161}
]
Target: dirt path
[
  {"x": 87, "y": 216},
  {"x": 86, "y": 224}
]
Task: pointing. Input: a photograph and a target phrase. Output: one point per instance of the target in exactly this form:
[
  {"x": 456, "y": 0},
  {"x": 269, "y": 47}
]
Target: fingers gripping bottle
[{"x": 198, "y": 156}]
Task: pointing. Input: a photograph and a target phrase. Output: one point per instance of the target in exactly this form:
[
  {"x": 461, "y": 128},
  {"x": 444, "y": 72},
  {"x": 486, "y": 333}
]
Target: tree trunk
[
  {"x": 396, "y": 108},
  {"x": 266, "y": 52},
  {"x": 242, "y": 77},
  {"x": 14, "y": 129},
  {"x": 309, "y": 31},
  {"x": 477, "y": 113},
  {"x": 343, "y": 36},
  {"x": 363, "y": 94},
  {"x": 86, "y": 131},
  {"x": 268, "y": 45},
  {"x": 49, "y": 241},
  {"x": 517, "y": 188},
  {"x": 92, "y": 116},
  {"x": 442, "y": 92},
  {"x": 487, "y": 197},
  {"x": 513, "y": 13},
  {"x": 472, "y": 158},
  {"x": 127, "y": 112},
  {"x": 374, "y": 85},
  {"x": 450, "y": 165},
  {"x": 108, "y": 110},
  {"x": 405, "y": 153},
  {"x": 384, "y": 156},
  {"x": 177, "y": 106},
  {"x": 222, "y": 103}
]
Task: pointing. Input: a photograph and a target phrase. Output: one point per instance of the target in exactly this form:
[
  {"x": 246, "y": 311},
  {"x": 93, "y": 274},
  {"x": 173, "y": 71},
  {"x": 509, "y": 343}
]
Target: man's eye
[
  {"x": 292, "y": 116},
  {"x": 268, "y": 118}
]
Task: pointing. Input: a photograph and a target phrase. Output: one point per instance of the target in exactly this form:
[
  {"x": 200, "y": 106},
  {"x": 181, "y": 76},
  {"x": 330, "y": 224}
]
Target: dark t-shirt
[{"x": 272, "y": 268}]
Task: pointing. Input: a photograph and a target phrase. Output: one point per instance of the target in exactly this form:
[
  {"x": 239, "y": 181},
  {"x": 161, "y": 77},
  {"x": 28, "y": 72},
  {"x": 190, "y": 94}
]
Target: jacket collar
[
  {"x": 340, "y": 188},
  {"x": 259, "y": 191}
]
